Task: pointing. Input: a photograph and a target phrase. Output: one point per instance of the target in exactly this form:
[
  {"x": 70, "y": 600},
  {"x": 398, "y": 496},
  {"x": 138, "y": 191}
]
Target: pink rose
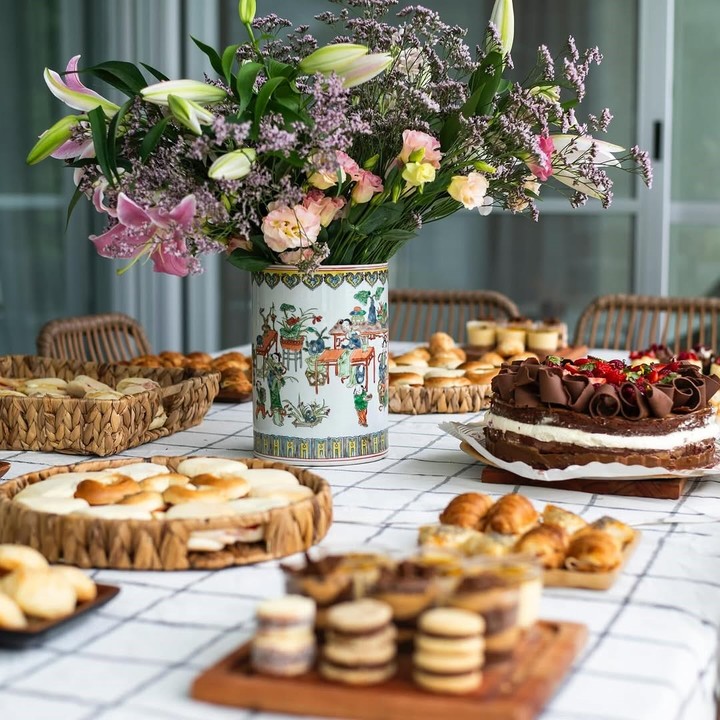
[
  {"x": 325, "y": 207},
  {"x": 414, "y": 140},
  {"x": 351, "y": 168},
  {"x": 239, "y": 243},
  {"x": 293, "y": 257},
  {"x": 285, "y": 228},
  {"x": 367, "y": 185},
  {"x": 542, "y": 169}
]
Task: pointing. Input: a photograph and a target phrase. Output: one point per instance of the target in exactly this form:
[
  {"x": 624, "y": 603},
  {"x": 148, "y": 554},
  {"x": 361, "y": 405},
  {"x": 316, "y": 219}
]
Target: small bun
[
  {"x": 510, "y": 346},
  {"x": 175, "y": 359},
  {"x": 402, "y": 378},
  {"x": 476, "y": 366},
  {"x": 445, "y": 360},
  {"x": 523, "y": 356},
  {"x": 446, "y": 382},
  {"x": 493, "y": 358},
  {"x": 202, "y": 357},
  {"x": 482, "y": 378},
  {"x": 411, "y": 358},
  {"x": 440, "y": 342}
]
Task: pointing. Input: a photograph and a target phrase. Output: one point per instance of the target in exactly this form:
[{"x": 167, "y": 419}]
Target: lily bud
[
  {"x": 53, "y": 138},
  {"x": 233, "y": 165},
  {"x": 194, "y": 90},
  {"x": 417, "y": 155},
  {"x": 484, "y": 167},
  {"x": 503, "y": 18},
  {"x": 76, "y": 95},
  {"x": 189, "y": 113},
  {"x": 246, "y": 11},
  {"x": 331, "y": 58},
  {"x": 371, "y": 162},
  {"x": 365, "y": 68}
]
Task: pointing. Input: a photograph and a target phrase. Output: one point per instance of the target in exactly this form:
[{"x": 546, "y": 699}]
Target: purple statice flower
[{"x": 642, "y": 159}]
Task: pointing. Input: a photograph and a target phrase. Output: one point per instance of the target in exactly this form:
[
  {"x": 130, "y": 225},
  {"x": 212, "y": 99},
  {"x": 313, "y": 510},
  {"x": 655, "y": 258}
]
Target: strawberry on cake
[{"x": 559, "y": 413}]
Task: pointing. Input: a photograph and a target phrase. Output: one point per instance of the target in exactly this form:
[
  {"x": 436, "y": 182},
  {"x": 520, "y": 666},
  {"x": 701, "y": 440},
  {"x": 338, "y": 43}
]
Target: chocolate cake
[{"x": 560, "y": 413}]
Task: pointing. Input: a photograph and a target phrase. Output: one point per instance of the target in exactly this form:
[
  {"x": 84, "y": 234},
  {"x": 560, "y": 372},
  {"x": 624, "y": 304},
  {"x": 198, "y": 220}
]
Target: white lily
[
  {"x": 189, "y": 113},
  {"x": 246, "y": 11},
  {"x": 233, "y": 165},
  {"x": 73, "y": 93},
  {"x": 53, "y": 138},
  {"x": 194, "y": 90},
  {"x": 365, "y": 68},
  {"x": 573, "y": 149},
  {"x": 331, "y": 58},
  {"x": 503, "y": 18}
]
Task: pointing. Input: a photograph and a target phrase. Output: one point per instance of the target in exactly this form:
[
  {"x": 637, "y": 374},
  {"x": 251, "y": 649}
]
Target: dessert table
[{"x": 653, "y": 641}]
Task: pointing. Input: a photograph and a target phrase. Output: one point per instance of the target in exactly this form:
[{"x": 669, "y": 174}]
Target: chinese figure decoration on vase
[{"x": 311, "y": 167}]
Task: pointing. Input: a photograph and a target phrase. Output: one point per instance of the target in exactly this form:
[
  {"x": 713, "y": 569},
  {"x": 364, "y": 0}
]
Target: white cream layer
[{"x": 570, "y": 436}]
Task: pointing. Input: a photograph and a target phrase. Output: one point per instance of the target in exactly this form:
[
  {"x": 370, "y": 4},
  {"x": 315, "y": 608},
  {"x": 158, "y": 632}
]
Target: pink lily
[
  {"x": 73, "y": 93},
  {"x": 542, "y": 169},
  {"x": 153, "y": 232}
]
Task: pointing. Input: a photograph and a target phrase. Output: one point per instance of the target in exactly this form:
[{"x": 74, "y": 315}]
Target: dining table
[{"x": 652, "y": 647}]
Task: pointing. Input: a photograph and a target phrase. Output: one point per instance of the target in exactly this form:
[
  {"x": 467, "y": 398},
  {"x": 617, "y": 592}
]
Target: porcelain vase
[{"x": 320, "y": 349}]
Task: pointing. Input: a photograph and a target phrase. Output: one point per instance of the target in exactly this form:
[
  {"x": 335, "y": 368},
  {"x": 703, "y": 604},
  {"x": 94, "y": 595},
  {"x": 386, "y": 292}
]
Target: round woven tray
[
  {"x": 419, "y": 400},
  {"x": 161, "y": 544}
]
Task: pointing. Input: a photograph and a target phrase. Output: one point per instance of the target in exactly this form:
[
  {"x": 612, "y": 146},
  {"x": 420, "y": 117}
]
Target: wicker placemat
[{"x": 420, "y": 400}]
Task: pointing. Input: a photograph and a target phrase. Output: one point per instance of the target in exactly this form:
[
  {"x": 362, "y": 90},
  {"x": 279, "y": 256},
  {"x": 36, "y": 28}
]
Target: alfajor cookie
[
  {"x": 11, "y": 616},
  {"x": 361, "y": 643},
  {"x": 40, "y": 593},
  {"x": 284, "y": 643},
  {"x": 13, "y": 557},
  {"x": 449, "y": 651}
]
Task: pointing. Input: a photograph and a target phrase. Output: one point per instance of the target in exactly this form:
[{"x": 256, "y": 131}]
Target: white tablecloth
[{"x": 652, "y": 652}]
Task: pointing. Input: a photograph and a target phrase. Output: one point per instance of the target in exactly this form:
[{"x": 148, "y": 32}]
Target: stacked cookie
[
  {"x": 30, "y": 589},
  {"x": 284, "y": 643},
  {"x": 449, "y": 651},
  {"x": 360, "y": 643}
]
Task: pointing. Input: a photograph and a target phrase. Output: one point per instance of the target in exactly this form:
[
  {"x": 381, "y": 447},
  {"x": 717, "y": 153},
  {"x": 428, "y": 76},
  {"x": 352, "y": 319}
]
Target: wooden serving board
[
  {"x": 663, "y": 488},
  {"x": 516, "y": 690},
  {"x": 589, "y": 580}
]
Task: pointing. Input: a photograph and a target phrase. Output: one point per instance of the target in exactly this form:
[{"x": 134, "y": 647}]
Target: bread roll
[
  {"x": 398, "y": 379},
  {"x": 511, "y": 515},
  {"x": 593, "y": 551}
]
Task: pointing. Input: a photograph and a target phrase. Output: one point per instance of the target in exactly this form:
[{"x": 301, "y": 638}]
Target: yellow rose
[{"x": 470, "y": 190}]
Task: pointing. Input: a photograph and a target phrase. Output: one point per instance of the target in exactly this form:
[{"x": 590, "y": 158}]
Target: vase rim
[{"x": 326, "y": 268}]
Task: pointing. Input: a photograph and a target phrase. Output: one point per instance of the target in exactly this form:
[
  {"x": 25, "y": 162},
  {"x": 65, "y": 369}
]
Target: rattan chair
[
  {"x": 634, "y": 322},
  {"x": 416, "y": 314},
  {"x": 112, "y": 337}
]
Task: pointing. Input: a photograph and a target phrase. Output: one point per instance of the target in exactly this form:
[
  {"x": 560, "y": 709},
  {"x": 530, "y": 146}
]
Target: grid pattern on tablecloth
[{"x": 652, "y": 649}]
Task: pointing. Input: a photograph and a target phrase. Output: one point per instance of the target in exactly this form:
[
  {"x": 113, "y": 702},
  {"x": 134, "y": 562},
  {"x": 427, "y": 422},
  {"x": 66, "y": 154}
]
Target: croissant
[
  {"x": 492, "y": 544},
  {"x": 466, "y": 510},
  {"x": 619, "y": 530},
  {"x": 564, "y": 519},
  {"x": 446, "y": 536},
  {"x": 593, "y": 551},
  {"x": 511, "y": 515},
  {"x": 545, "y": 542}
]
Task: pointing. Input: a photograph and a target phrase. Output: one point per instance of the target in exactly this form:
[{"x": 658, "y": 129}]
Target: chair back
[
  {"x": 111, "y": 337},
  {"x": 415, "y": 314},
  {"x": 635, "y": 322}
]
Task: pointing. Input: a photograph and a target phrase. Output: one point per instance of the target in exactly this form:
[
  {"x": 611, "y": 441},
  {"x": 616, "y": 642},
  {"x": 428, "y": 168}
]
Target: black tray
[{"x": 39, "y": 630}]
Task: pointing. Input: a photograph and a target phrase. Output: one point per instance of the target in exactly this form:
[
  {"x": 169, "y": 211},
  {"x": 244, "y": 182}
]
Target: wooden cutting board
[{"x": 516, "y": 690}]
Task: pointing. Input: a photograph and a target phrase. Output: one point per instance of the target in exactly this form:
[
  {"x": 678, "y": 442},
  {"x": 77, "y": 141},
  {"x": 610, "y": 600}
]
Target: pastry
[
  {"x": 232, "y": 488},
  {"x": 492, "y": 544},
  {"x": 269, "y": 477},
  {"x": 53, "y": 505},
  {"x": 543, "y": 341},
  {"x": 40, "y": 593},
  {"x": 619, "y": 530},
  {"x": 466, "y": 509},
  {"x": 145, "y": 500},
  {"x": 360, "y": 647},
  {"x": 547, "y": 543},
  {"x": 476, "y": 366},
  {"x": 449, "y": 651},
  {"x": 284, "y": 643},
  {"x": 492, "y": 358},
  {"x": 85, "y": 589},
  {"x": 446, "y": 382},
  {"x": 445, "y": 360},
  {"x": 440, "y": 342},
  {"x": 454, "y": 537},
  {"x": 11, "y": 616},
  {"x": 511, "y": 515},
  {"x": 593, "y": 551},
  {"x": 564, "y": 519},
  {"x": 13, "y": 557},
  {"x": 481, "y": 333},
  {"x": 216, "y": 466},
  {"x": 520, "y": 357},
  {"x": 140, "y": 471},
  {"x": 481, "y": 378},
  {"x": 96, "y": 492},
  {"x": 398, "y": 379},
  {"x": 176, "y": 494}
]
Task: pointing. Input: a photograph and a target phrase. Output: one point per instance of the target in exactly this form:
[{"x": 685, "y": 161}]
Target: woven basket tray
[
  {"x": 161, "y": 544},
  {"x": 410, "y": 400},
  {"x": 99, "y": 427}
]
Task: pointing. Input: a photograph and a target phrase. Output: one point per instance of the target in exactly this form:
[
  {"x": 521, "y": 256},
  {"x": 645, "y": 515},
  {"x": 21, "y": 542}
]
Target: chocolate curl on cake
[
  {"x": 712, "y": 385},
  {"x": 580, "y": 391},
  {"x": 689, "y": 394},
  {"x": 526, "y": 396},
  {"x": 660, "y": 400},
  {"x": 503, "y": 385},
  {"x": 633, "y": 404},
  {"x": 605, "y": 403},
  {"x": 552, "y": 389}
]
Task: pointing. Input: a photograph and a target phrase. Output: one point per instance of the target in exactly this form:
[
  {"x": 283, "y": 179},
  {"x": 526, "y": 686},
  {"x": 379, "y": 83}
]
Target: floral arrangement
[{"x": 303, "y": 155}]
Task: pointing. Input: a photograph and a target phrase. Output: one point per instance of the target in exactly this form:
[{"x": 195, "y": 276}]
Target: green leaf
[
  {"x": 228, "y": 58},
  {"x": 152, "y": 139},
  {"x": 162, "y": 77},
  {"x": 279, "y": 69},
  {"x": 264, "y": 96},
  {"x": 571, "y": 103},
  {"x": 244, "y": 83},
  {"x": 98, "y": 128},
  {"x": 71, "y": 205},
  {"x": 212, "y": 55},
  {"x": 112, "y": 133},
  {"x": 383, "y": 216},
  {"x": 121, "y": 75},
  {"x": 245, "y": 261}
]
